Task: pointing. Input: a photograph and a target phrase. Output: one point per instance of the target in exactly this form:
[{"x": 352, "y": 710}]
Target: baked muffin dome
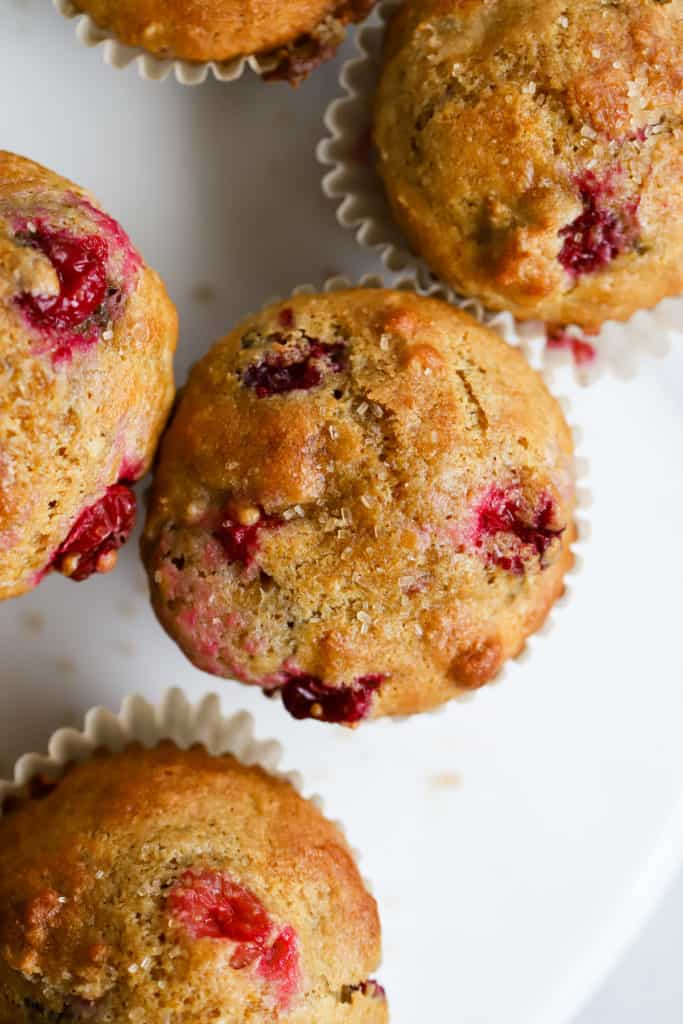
[
  {"x": 533, "y": 153},
  {"x": 364, "y": 500},
  {"x": 87, "y": 334},
  {"x": 301, "y": 33},
  {"x": 172, "y": 887}
]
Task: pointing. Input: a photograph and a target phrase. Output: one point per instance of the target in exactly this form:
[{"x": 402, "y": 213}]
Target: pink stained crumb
[
  {"x": 206, "y": 632},
  {"x": 604, "y": 229},
  {"x": 279, "y": 966},
  {"x": 241, "y": 543},
  {"x": 254, "y": 645},
  {"x": 131, "y": 469},
  {"x": 7, "y": 539},
  {"x": 503, "y": 514},
  {"x": 306, "y": 696},
  {"x": 297, "y": 367},
  {"x": 97, "y": 535},
  {"x": 639, "y": 135},
  {"x": 211, "y": 905},
  {"x": 202, "y": 631},
  {"x": 417, "y": 585},
  {"x": 132, "y": 261},
  {"x": 583, "y": 353}
]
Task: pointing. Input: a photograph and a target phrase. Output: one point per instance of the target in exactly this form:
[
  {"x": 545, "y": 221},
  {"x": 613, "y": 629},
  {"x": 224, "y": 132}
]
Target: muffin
[
  {"x": 297, "y": 34},
  {"x": 87, "y": 334},
  {"x": 364, "y": 501},
  {"x": 533, "y": 153},
  {"x": 172, "y": 887}
]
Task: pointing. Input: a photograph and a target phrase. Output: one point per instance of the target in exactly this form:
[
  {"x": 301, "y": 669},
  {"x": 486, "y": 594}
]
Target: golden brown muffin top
[
  {"x": 533, "y": 152},
  {"x": 88, "y": 327},
  {"x": 360, "y": 489},
  {"x": 174, "y": 887},
  {"x": 204, "y": 30}
]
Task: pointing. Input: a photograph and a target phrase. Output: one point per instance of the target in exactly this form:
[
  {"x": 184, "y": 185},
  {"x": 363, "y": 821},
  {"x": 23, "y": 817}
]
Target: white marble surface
[
  {"x": 516, "y": 843},
  {"x": 646, "y": 986}
]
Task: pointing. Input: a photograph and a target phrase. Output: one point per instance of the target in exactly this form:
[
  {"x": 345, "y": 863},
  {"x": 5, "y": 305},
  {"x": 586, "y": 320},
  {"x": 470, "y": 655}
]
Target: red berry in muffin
[
  {"x": 166, "y": 884},
  {"x": 377, "y": 542},
  {"x": 532, "y": 152},
  {"x": 88, "y": 327}
]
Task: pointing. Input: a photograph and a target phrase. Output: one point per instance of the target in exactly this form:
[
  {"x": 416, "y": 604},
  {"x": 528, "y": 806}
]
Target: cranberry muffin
[
  {"x": 87, "y": 334},
  {"x": 298, "y": 34},
  {"x": 533, "y": 153},
  {"x": 172, "y": 887},
  {"x": 364, "y": 501}
]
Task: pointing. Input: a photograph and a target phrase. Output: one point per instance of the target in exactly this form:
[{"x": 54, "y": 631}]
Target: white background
[{"x": 515, "y": 843}]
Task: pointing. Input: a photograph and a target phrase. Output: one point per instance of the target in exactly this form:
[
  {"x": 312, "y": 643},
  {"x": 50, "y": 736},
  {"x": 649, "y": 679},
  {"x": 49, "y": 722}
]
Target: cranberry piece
[
  {"x": 41, "y": 786},
  {"x": 246, "y": 954},
  {"x": 582, "y": 351},
  {"x": 210, "y": 905},
  {"x": 370, "y": 988},
  {"x": 373, "y": 989},
  {"x": 132, "y": 261},
  {"x": 285, "y": 317},
  {"x": 294, "y": 367},
  {"x": 242, "y": 543},
  {"x": 601, "y": 232},
  {"x": 81, "y": 268},
  {"x": 306, "y": 696},
  {"x": 502, "y": 511},
  {"x": 279, "y": 965},
  {"x": 97, "y": 535}
]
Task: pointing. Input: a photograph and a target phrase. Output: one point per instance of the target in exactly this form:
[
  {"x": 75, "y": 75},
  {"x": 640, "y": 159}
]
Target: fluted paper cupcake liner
[
  {"x": 157, "y": 69},
  {"x": 173, "y": 718},
  {"x": 581, "y": 464},
  {"x": 352, "y": 182}
]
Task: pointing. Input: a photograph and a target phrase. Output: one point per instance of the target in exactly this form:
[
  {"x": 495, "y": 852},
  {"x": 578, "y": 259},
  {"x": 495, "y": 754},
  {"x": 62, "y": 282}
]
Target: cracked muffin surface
[
  {"x": 364, "y": 500},
  {"x": 87, "y": 335},
  {"x": 174, "y": 887},
  {"x": 299, "y": 34},
  {"x": 533, "y": 153}
]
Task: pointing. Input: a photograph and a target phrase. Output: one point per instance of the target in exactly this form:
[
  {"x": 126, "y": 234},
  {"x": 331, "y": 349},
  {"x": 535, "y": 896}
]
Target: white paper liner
[
  {"x": 584, "y": 495},
  {"x": 173, "y": 718},
  {"x": 355, "y": 186},
  {"x": 156, "y": 69}
]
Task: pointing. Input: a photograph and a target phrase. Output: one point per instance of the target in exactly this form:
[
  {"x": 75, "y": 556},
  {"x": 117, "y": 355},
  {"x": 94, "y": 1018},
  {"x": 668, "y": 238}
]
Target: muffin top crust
[
  {"x": 88, "y": 329},
  {"x": 299, "y": 33},
  {"x": 533, "y": 153},
  {"x": 173, "y": 887},
  {"x": 365, "y": 500}
]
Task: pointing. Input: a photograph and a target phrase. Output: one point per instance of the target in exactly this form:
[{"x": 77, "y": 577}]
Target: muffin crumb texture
[
  {"x": 172, "y": 887},
  {"x": 364, "y": 502},
  {"x": 85, "y": 325},
  {"x": 297, "y": 35},
  {"x": 533, "y": 153}
]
